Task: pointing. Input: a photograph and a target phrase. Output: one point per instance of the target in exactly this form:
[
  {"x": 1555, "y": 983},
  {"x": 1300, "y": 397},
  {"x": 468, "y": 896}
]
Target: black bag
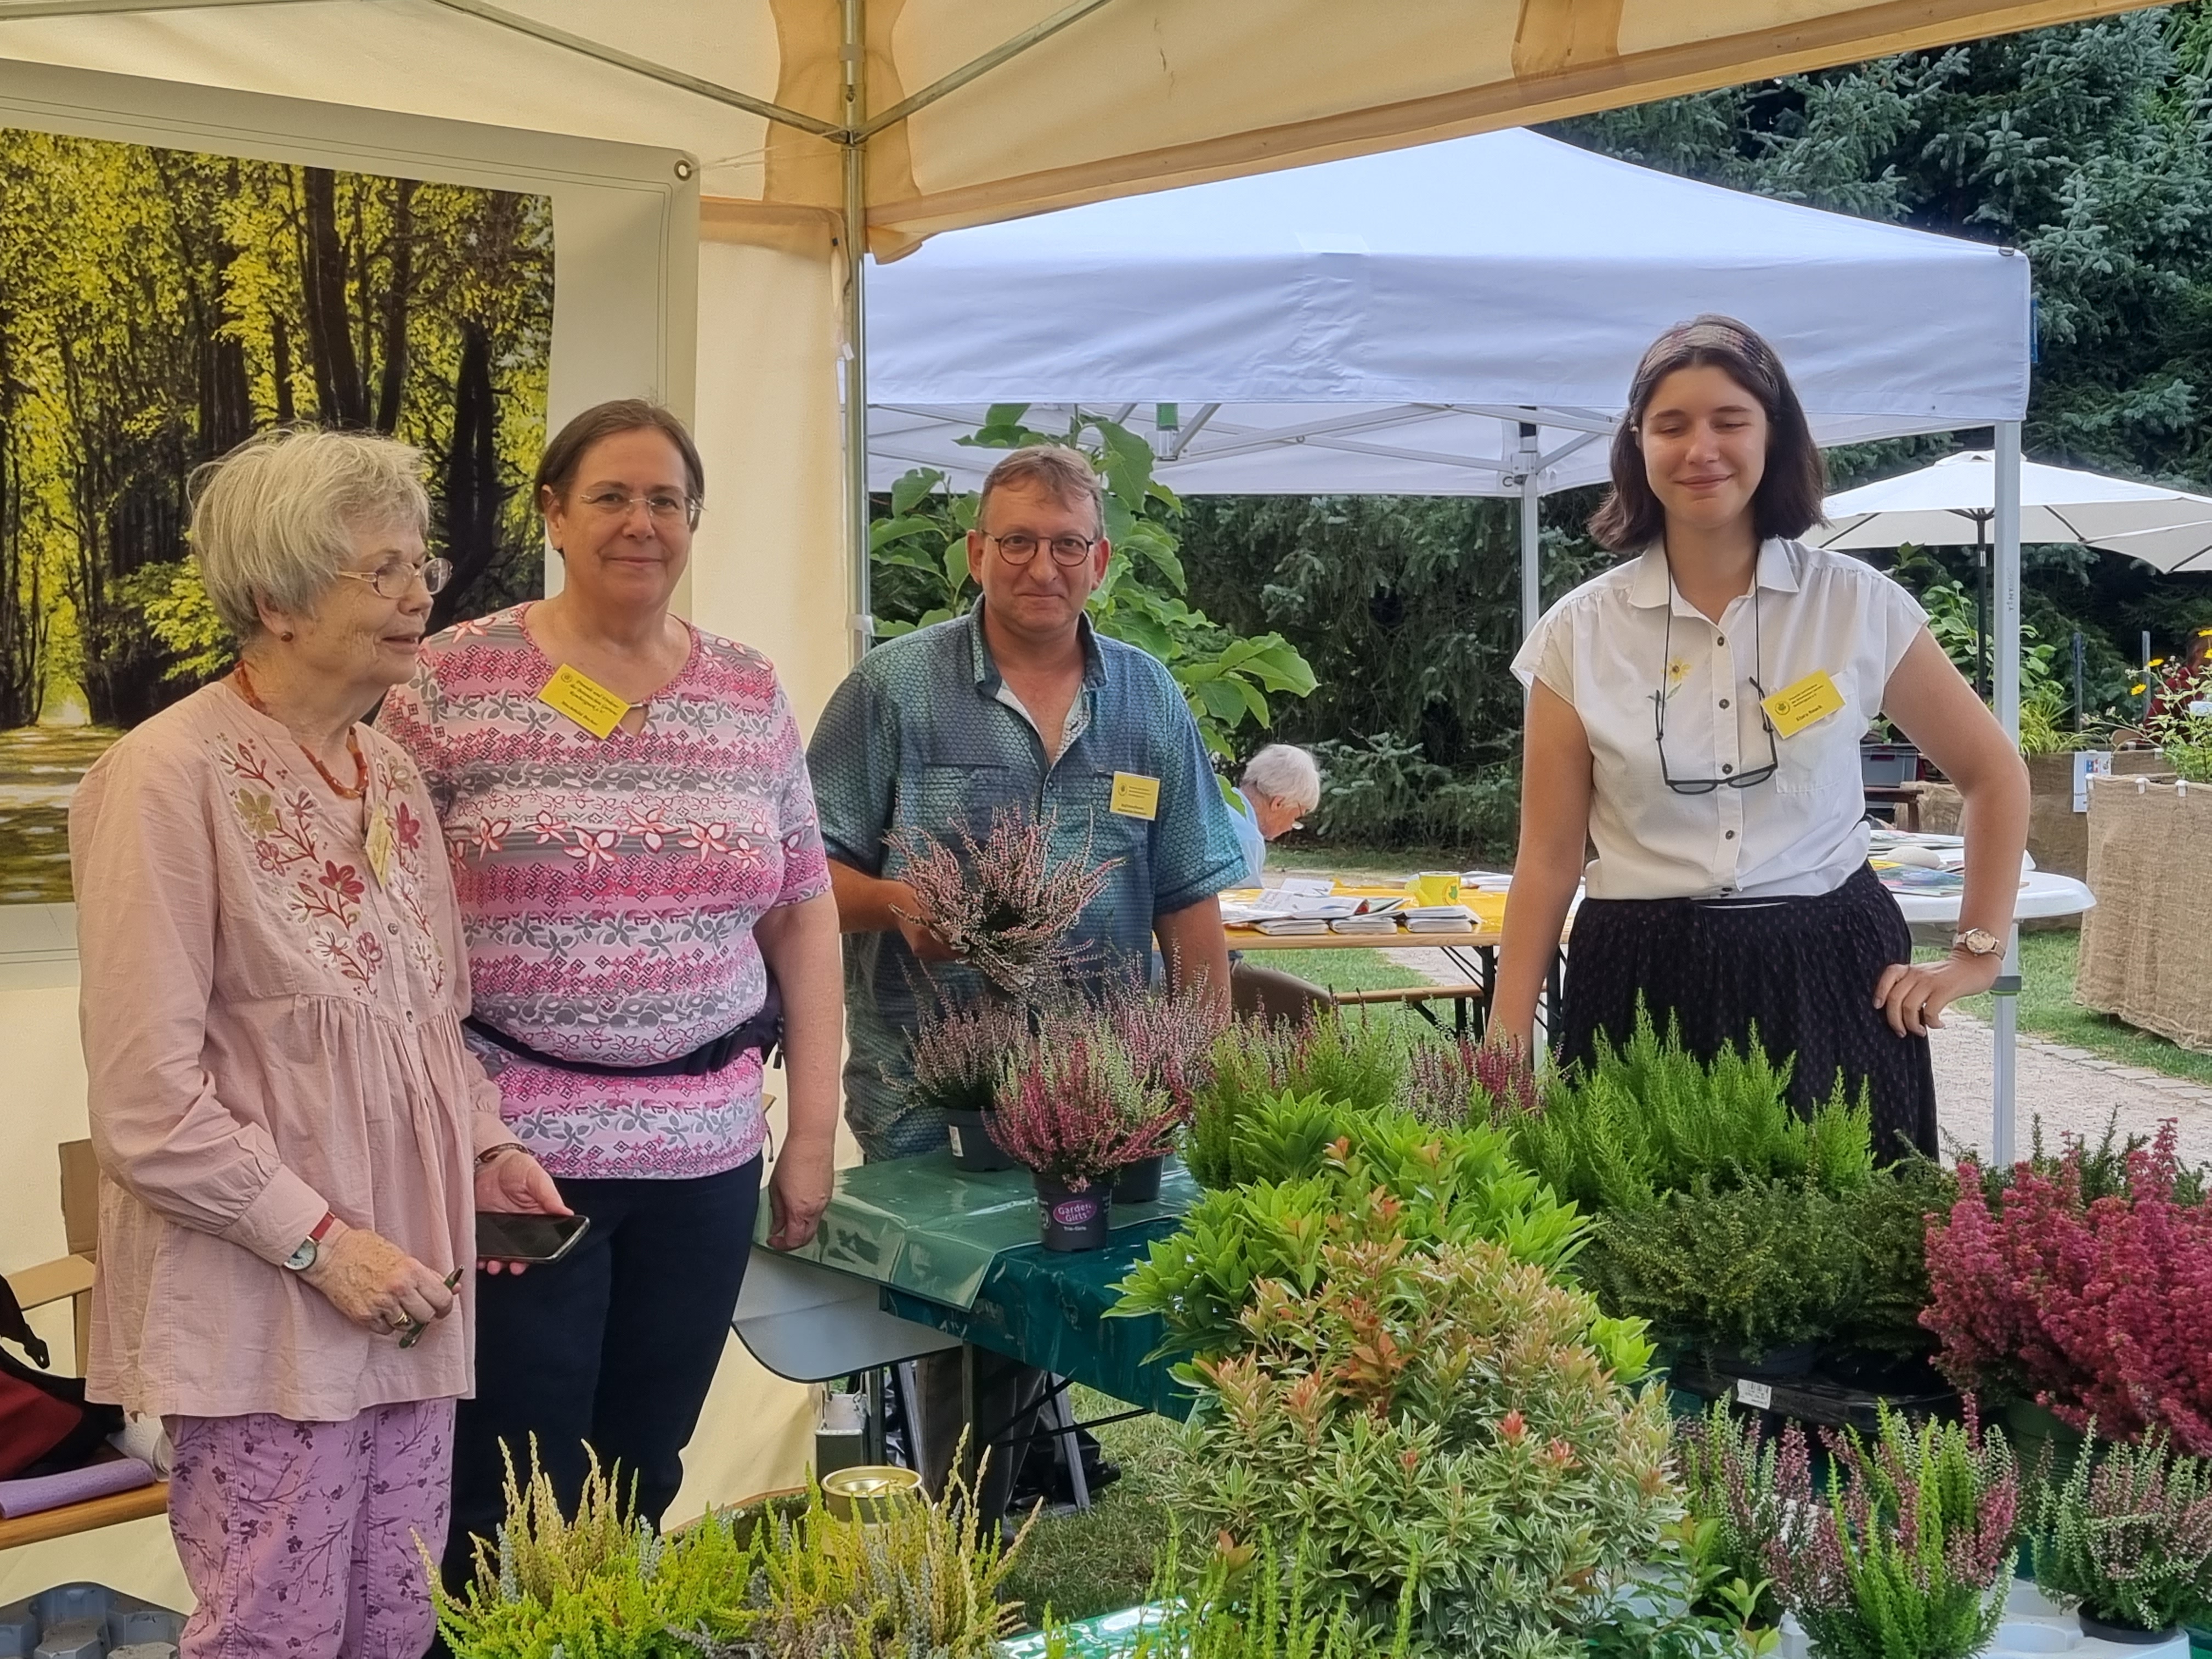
[{"x": 45, "y": 1426}]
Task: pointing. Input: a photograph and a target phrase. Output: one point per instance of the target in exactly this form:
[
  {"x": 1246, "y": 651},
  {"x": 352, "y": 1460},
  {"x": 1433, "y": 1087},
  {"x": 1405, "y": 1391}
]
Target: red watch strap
[{"x": 329, "y": 1220}]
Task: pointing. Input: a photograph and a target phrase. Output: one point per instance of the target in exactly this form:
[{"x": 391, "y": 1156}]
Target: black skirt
[{"x": 1801, "y": 970}]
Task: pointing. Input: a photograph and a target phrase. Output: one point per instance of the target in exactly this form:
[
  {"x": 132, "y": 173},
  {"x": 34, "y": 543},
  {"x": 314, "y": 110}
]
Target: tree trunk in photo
[
  {"x": 398, "y": 293},
  {"x": 343, "y": 399},
  {"x": 280, "y": 352},
  {"x": 470, "y": 485}
]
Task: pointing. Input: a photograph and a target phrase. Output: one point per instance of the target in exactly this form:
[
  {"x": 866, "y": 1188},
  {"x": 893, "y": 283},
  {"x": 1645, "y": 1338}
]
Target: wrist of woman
[{"x": 491, "y": 1155}]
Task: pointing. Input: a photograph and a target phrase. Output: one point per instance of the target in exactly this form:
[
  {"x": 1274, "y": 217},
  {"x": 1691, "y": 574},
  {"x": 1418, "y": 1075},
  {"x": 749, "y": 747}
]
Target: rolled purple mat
[{"x": 51, "y": 1491}]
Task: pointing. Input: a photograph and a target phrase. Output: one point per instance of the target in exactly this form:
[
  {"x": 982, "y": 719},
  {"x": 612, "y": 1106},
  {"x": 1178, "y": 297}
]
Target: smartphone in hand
[{"x": 533, "y": 1240}]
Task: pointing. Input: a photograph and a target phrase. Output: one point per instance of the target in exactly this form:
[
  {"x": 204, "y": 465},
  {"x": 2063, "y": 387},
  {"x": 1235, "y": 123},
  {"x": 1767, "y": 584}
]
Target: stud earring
[{"x": 286, "y": 637}]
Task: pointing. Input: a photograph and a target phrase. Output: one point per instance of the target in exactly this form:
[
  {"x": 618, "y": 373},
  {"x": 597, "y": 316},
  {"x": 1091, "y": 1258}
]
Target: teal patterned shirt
[{"x": 924, "y": 733}]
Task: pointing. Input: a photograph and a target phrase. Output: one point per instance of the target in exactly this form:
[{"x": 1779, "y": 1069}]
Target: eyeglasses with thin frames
[
  {"x": 664, "y": 506},
  {"x": 395, "y": 578},
  {"x": 1068, "y": 551},
  {"x": 1738, "y": 781}
]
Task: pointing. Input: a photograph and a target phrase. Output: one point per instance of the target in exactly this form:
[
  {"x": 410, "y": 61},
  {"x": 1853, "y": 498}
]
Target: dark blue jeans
[{"x": 615, "y": 1346}]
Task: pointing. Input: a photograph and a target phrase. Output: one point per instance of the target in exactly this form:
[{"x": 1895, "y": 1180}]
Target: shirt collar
[
  {"x": 987, "y": 678},
  {"x": 1648, "y": 587}
]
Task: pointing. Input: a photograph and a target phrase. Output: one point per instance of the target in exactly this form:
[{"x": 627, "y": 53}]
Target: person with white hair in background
[
  {"x": 293, "y": 1139},
  {"x": 1281, "y": 784}
]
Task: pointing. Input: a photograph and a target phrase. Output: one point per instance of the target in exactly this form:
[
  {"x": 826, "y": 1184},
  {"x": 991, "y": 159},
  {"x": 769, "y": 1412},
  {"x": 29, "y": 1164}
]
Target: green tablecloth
[
  {"x": 919, "y": 1226},
  {"x": 1048, "y": 1309}
]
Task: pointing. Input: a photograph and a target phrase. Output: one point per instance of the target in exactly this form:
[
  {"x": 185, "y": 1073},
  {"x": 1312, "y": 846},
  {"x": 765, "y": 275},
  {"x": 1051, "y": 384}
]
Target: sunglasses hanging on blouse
[{"x": 1741, "y": 780}]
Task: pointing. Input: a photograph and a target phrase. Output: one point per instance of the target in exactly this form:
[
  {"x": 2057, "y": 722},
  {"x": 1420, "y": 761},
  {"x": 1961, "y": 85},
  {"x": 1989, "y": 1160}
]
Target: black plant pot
[
  {"x": 973, "y": 1149},
  {"x": 2092, "y": 1626},
  {"x": 1775, "y": 1366},
  {"x": 1139, "y": 1182},
  {"x": 1070, "y": 1220}
]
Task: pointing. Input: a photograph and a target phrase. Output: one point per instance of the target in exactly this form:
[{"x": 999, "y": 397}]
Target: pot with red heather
[{"x": 1074, "y": 1110}]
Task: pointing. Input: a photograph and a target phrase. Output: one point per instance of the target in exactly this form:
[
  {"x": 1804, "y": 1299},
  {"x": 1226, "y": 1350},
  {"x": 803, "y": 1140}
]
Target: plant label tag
[
  {"x": 1759, "y": 1396},
  {"x": 1796, "y": 706},
  {"x": 379, "y": 843},
  {"x": 1135, "y": 796},
  {"x": 584, "y": 700},
  {"x": 952, "y": 1134}
]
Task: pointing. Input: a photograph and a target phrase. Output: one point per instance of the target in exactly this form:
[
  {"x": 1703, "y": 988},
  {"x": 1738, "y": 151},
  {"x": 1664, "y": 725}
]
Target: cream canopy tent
[{"x": 1460, "y": 318}]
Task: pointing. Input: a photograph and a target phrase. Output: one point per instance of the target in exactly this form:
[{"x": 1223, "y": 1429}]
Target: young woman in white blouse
[{"x": 1695, "y": 714}]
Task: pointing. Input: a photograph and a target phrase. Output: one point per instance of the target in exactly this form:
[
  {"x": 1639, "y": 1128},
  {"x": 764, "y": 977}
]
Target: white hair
[
  {"x": 273, "y": 521},
  {"x": 1286, "y": 772}
]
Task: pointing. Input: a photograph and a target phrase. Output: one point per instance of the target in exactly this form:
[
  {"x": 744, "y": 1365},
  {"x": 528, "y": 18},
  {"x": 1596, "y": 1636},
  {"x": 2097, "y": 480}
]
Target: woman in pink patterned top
[{"x": 626, "y": 806}]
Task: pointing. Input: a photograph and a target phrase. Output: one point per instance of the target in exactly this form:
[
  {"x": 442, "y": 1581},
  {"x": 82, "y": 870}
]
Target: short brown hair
[
  {"x": 556, "y": 469},
  {"x": 1788, "y": 501},
  {"x": 1064, "y": 474}
]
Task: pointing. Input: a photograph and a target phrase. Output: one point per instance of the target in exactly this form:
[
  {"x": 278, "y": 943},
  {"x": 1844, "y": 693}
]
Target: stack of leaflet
[
  {"x": 1438, "y": 918},
  {"x": 1906, "y": 863},
  {"x": 1375, "y": 916}
]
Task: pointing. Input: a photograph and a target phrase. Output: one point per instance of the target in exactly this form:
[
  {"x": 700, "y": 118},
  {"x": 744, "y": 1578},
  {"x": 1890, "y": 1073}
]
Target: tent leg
[
  {"x": 855, "y": 227},
  {"x": 2008, "y": 713},
  {"x": 1532, "y": 572}
]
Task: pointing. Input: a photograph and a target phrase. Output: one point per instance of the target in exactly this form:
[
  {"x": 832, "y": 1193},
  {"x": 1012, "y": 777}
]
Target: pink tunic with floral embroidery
[
  {"x": 609, "y": 887},
  {"x": 269, "y": 1032}
]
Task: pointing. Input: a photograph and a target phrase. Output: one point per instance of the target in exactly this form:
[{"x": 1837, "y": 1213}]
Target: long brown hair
[{"x": 1788, "y": 500}]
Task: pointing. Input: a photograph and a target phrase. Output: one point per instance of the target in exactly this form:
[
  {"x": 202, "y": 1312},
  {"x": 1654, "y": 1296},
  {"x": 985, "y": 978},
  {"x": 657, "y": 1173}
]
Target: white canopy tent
[{"x": 1459, "y": 319}]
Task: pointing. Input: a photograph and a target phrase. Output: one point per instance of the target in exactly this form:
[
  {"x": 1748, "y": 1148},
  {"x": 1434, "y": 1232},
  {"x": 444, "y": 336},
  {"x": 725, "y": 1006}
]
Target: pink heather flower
[
  {"x": 2098, "y": 1309},
  {"x": 1072, "y": 1108},
  {"x": 1005, "y": 905}
]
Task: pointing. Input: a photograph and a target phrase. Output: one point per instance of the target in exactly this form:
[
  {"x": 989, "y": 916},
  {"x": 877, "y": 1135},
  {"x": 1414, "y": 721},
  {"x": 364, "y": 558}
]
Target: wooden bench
[
  {"x": 69, "y": 1279},
  {"x": 1465, "y": 1001}
]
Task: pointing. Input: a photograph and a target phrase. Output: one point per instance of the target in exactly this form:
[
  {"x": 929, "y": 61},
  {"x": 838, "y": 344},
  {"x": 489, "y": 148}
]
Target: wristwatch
[
  {"x": 1977, "y": 942},
  {"x": 311, "y": 1247}
]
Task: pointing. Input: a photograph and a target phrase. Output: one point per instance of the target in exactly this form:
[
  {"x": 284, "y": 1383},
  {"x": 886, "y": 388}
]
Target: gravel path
[{"x": 2073, "y": 1090}]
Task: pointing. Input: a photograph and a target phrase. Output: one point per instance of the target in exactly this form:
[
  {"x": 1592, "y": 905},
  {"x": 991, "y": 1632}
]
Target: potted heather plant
[
  {"x": 958, "y": 1055},
  {"x": 1072, "y": 1110},
  {"x": 2127, "y": 1539},
  {"x": 1007, "y": 905},
  {"x": 2043, "y": 1291},
  {"x": 1908, "y": 1550},
  {"x": 1169, "y": 1041}
]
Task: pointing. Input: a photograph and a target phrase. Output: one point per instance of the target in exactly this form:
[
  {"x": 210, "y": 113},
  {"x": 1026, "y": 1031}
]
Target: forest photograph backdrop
[{"x": 158, "y": 307}]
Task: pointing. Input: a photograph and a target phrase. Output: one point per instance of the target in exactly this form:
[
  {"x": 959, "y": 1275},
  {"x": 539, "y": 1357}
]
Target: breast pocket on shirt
[
  {"x": 948, "y": 796},
  {"x": 1824, "y": 757},
  {"x": 1086, "y": 804}
]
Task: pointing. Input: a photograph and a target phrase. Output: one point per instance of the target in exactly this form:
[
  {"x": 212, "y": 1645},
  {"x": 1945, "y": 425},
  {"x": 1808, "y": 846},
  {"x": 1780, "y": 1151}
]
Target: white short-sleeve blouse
[{"x": 1621, "y": 642}]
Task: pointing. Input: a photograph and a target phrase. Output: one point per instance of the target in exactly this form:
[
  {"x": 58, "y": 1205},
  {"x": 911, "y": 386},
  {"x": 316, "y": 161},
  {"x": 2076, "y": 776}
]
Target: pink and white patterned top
[{"x": 609, "y": 888}]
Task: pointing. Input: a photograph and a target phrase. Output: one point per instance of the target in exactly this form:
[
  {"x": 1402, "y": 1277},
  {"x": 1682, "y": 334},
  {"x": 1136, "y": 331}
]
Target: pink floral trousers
[{"x": 299, "y": 1539}]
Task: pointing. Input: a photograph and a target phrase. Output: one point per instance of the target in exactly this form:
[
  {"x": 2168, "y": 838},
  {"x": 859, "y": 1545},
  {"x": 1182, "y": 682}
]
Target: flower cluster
[
  {"x": 960, "y": 1049},
  {"x": 2097, "y": 1307},
  {"x": 2128, "y": 1534},
  {"x": 1073, "y": 1109},
  {"x": 1005, "y": 905},
  {"x": 1169, "y": 1039},
  {"x": 1450, "y": 1082}
]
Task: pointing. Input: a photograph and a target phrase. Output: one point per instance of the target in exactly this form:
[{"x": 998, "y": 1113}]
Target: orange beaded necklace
[{"x": 353, "y": 743}]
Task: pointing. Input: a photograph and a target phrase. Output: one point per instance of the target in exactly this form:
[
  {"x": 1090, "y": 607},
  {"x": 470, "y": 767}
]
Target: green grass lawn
[
  {"x": 2047, "y": 1009},
  {"x": 1102, "y": 1559}
]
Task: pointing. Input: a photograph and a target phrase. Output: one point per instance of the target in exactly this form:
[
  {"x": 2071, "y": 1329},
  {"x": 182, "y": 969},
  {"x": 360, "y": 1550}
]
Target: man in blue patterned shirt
[{"x": 1017, "y": 703}]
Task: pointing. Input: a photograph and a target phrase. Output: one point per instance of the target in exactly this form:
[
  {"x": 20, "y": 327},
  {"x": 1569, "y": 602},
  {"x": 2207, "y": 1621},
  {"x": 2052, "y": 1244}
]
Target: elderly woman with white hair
[
  {"x": 1281, "y": 784},
  {"x": 293, "y": 1139}
]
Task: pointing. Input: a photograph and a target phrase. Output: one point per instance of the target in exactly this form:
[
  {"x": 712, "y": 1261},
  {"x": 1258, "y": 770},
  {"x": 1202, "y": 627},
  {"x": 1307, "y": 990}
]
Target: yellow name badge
[
  {"x": 584, "y": 700},
  {"x": 1796, "y": 706},
  {"x": 1135, "y": 796}
]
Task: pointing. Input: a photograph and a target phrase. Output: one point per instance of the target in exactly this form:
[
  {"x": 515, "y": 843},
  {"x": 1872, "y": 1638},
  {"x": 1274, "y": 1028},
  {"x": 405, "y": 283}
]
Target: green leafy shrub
[
  {"x": 1737, "y": 1271},
  {"x": 1649, "y": 1118},
  {"x": 1441, "y": 1427},
  {"x": 1358, "y": 1061},
  {"x": 908, "y": 1579},
  {"x": 2128, "y": 1534},
  {"x": 1333, "y": 1176},
  {"x": 1887, "y": 1220}
]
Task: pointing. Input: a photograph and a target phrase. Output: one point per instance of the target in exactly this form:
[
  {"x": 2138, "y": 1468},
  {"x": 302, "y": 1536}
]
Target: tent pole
[
  {"x": 2003, "y": 1068},
  {"x": 855, "y": 147},
  {"x": 1532, "y": 540}
]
